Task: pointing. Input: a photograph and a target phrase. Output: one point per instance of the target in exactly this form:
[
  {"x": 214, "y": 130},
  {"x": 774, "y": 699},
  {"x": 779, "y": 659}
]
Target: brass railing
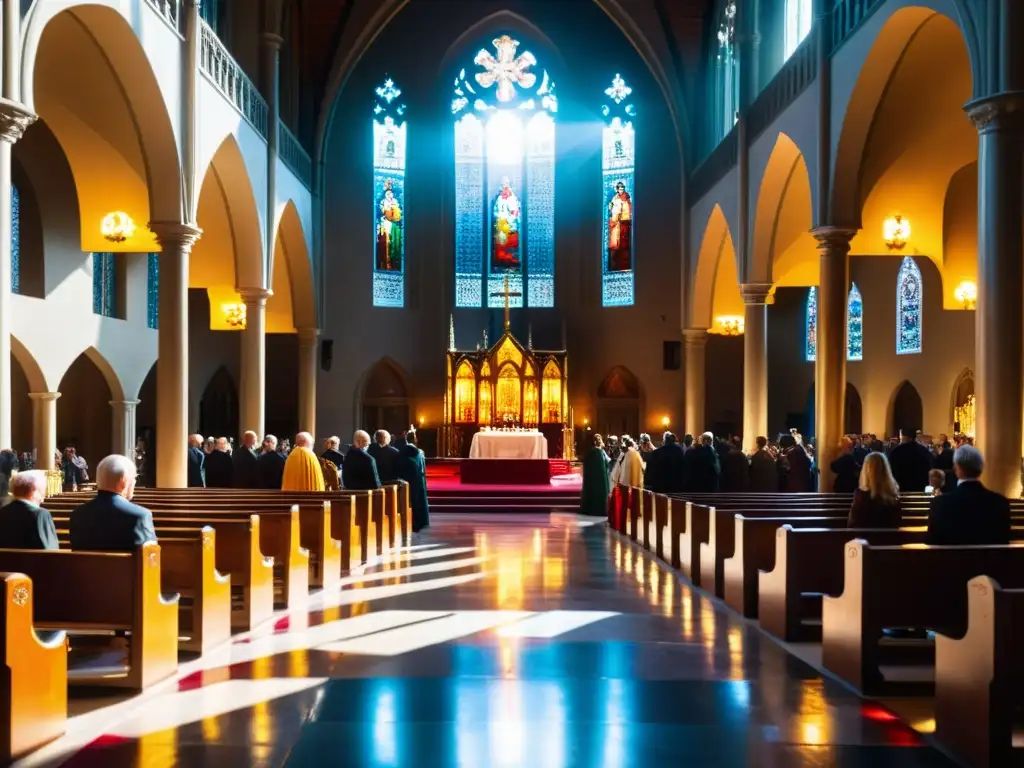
[
  {"x": 295, "y": 156},
  {"x": 223, "y": 71}
]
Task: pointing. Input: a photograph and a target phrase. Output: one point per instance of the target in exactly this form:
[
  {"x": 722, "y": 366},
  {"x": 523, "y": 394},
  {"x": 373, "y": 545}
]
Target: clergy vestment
[
  {"x": 302, "y": 471},
  {"x": 594, "y": 500},
  {"x": 631, "y": 469},
  {"x": 412, "y": 467}
]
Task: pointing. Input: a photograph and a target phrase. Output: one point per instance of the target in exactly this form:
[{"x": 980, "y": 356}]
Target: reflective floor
[{"x": 499, "y": 641}]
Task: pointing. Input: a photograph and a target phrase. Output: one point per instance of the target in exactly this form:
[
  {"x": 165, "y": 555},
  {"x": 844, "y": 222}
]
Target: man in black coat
[
  {"x": 332, "y": 454},
  {"x": 972, "y": 514},
  {"x": 270, "y": 465},
  {"x": 23, "y": 523},
  {"x": 219, "y": 467},
  {"x": 846, "y": 468},
  {"x": 244, "y": 472},
  {"x": 666, "y": 467},
  {"x": 359, "y": 472},
  {"x": 110, "y": 522},
  {"x": 196, "y": 462},
  {"x": 910, "y": 462},
  {"x": 702, "y": 466},
  {"x": 385, "y": 455}
]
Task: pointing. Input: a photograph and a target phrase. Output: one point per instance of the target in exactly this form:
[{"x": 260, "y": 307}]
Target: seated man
[
  {"x": 359, "y": 472},
  {"x": 971, "y": 514},
  {"x": 23, "y": 523},
  {"x": 110, "y": 522}
]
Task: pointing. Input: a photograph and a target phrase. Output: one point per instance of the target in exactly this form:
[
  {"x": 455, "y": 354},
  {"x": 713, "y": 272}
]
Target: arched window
[
  {"x": 854, "y": 325},
  {"x": 504, "y": 179},
  {"x": 389, "y": 142},
  {"x": 909, "y": 291},
  {"x": 811, "y": 327},
  {"x": 153, "y": 291},
  {"x": 727, "y": 72},
  {"x": 15, "y": 240},
  {"x": 104, "y": 284},
  {"x": 799, "y": 15},
  {"x": 618, "y": 166}
]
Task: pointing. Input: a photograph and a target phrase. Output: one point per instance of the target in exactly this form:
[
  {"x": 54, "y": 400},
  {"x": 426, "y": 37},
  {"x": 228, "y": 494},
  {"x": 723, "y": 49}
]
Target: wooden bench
[
  {"x": 106, "y": 592},
  {"x": 33, "y": 675},
  {"x": 979, "y": 678}
]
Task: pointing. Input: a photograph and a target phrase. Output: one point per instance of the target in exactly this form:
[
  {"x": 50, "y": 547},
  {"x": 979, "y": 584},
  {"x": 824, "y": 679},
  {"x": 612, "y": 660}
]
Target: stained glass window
[
  {"x": 618, "y": 167},
  {"x": 811, "y": 336},
  {"x": 909, "y": 290},
  {"x": 104, "y": 285},
  {"x": 15, "y": 240},
  {"x": 799, "y": 15},
  {"x": 727, "y": 72},
  {"x": 854, "y": 325},
  {"x": 153, "y": 291},
  {"x": 389, "y": 142},
  {"x": 504, "y": 179}
]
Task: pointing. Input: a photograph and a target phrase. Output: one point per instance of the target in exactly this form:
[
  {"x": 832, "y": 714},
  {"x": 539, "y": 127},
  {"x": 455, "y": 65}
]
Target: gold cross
[{"x": 507, "y": 294}]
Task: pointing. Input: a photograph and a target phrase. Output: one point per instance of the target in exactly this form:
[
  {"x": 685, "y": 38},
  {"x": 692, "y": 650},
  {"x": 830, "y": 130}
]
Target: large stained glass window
[
  {"x": 909, "y": 291},
  {"x": 104, "y": 285},
  {"x": 799, "y": 15},
  {"x": 15, "y": 240},
  {"x": 618, "y": 167},
  {"x": 153, "y": 291},
  {"x": 727, "y": 72},
  {"x": 811, "y": 327},
  {"x": 504, "y": 179},
  {"x": 389, "y": 142},
  {"x": 854, "y": 325}
]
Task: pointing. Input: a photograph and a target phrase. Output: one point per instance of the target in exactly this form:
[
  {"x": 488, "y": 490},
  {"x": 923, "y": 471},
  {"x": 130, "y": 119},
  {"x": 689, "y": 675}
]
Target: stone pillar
[
  {"x": 176, "y": 241},
  {"x": 998, "y": 331},
  {"x": 124, "y": 426},
  {"x": 308, "y": 364},
  {"x": 252, "y": 389},
  {"x": 694, "y": 340},
  {"x": 44, "y": 420},
  {"x": 830, "y": 368},
  {"x": 755, "y": 361}
]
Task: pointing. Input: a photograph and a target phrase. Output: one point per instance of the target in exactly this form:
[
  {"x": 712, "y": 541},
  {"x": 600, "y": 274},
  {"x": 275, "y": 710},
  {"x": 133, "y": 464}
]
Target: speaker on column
[{"x": 326, "y": 354}]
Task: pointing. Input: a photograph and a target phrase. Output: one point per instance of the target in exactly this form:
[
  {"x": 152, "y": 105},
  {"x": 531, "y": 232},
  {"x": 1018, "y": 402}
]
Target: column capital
[
  {"x": 755, "y": 293},
  {"x": 695, "y": 337},
  {"x": 996, "y": 112},
  {"x": 46, "y": 397},
  {"x": 128, "y": 405},
  {"x": 307, "y": 336},
  {"x": 255, "y": 297},
  {"x": 272, "y": 40},
  {"x": 834, "y": 239},
  {"x": 15, "y": 118},
  {"x": 175, "y": 236}
]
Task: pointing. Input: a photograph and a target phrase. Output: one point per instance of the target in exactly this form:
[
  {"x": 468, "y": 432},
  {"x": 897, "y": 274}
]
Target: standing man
[
  {"x": 218, "y": 466},
  {"x": 385, "y": 455},
  {"x": 359, "y": 472},
  {"x": 196, "y": 462},
  {"x": 270, "y": 465},
  {"x": 243, "y": 463},
  {"x": 332, "y": 454}
]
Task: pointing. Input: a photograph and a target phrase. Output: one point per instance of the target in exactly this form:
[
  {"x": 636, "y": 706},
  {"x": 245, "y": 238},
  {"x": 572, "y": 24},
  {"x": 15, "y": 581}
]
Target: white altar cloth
[{"x": 508, "y": 445}]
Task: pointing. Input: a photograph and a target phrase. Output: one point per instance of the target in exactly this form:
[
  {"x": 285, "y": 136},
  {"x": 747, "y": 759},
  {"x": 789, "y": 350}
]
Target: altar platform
[{"x": 449, "y": 491}]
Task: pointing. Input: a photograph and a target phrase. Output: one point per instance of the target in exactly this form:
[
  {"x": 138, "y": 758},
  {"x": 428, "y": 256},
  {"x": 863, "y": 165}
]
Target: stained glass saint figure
[
  {"x": 620, "y": 230},
  {"x": 505, "y": 235},
  {"x": 389, "y": 230}
]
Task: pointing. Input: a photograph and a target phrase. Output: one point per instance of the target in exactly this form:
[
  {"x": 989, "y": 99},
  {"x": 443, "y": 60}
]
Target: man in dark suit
[
  {"x": 764, "y": 475},
  {"x": 196, "y": 462},
  {"x": 270, "y": 465},
  {"x": 972, "y": 514},
  {"x": 359, "y": 472},
  {"x": 910, "y": 462},
  {"x": 23, "y": 523},
  {"x": 666, "y": 468},
  {"x": 110, "y": 522},
  {"x": 385, "y": 455},
  {"x": 219, "y": 467},
  {"x": 243, "y": 463},
  {"x": 332, "y": 454},
  {"x": 702, "y": 467}
]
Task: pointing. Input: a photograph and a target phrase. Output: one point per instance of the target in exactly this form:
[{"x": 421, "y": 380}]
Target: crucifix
[{"x": 508, "y": 295}]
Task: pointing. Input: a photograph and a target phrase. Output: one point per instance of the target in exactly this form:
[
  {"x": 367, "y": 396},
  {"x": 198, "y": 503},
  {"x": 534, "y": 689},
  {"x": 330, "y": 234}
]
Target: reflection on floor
[{"x": 499, "y": 641}]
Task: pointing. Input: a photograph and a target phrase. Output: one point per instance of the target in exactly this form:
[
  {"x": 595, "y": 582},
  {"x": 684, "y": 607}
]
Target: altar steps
[{"x": 510, "y": 499}]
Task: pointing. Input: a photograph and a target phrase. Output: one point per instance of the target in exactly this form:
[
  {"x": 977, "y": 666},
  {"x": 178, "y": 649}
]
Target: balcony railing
[
  {"x": 789, "y": 82},
  {"x": 715, "y": 166},
  {"x": 294, "y": 156},
  {"x": 847, "y": 15},
  {"x": 224, "y": 72},
  {"x": 170, "y": 10}
]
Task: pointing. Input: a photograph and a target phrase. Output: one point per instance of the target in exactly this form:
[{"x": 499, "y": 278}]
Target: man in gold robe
[{"x": 302, "y": 470}]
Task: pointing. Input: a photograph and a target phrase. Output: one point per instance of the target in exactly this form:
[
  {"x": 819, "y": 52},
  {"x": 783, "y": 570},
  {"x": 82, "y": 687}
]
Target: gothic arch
[
  {"x": 84, "y": 415},
  {"x": 906, "y": 409},
  {"x": 620, "y": 400},
  {"x": 29, "y": 366},
  {"x": 290, "y": 247},
  {"x": 716, "y": 243},
  {"x": 385, "y": 396},
  {"x": 963, "y": 386}
]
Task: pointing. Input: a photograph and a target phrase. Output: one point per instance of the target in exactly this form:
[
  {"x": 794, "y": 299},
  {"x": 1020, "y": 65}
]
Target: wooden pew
[
  {"x": 106, "y": 591},
  {"x": 979, "y": 678},
  {"x": 903, "y": 586},
  {"x": 33, "y": 675}
]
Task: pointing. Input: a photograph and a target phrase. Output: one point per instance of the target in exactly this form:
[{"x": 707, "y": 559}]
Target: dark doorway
[
  {"x": 385, "y": 400},
  {"x": 218, "y": 410},
  {"x": 907, "y": 410},
  {"x": 853, "y": 414},
  {"x": 618, "y": 404}
]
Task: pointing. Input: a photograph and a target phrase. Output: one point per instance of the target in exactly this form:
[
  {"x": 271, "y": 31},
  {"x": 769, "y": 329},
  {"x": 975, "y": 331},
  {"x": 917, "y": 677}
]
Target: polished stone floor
[{"x": 499, "y": 641}]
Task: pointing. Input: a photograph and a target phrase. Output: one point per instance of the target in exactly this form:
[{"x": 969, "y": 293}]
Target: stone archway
[
  {"x": 384, "y": 399},
  {"x": 84, "y": 416},
  {"x": 619, "y": 403},
  {"x": 906, "y": 410}
]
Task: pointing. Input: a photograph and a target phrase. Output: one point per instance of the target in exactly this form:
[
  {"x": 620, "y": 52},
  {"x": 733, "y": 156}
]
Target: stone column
[
  {"x": 176, "y": 241},
  {"x": 124, "y": 426},
  {"x": 694, "y": 340},
  {"x": 830, "y": 368},
  {"x": 44, "y": 420},
  {"x": 252, "y": 388},
  {"x": 998, "y": 331},
  {"x": 755, "y": 361},
  {"x": 308, "y": 364}
]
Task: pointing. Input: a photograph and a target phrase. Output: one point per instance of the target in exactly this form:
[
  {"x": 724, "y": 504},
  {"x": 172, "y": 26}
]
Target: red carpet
[{"x": 447, "y": 491}]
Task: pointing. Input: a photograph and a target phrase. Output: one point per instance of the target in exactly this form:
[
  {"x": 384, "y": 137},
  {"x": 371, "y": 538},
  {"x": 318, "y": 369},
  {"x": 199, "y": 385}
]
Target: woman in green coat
[{"x": 594, "y": 500}]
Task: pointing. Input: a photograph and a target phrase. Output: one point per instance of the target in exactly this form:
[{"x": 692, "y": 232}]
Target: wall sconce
[
  {"x": 234, "y": 315},
  {"x": 728, "y": 325},
  {"x": 896, "y": 232},
  {"x": 117, "y": 226},
  {"x": 967, "y": 294},
  {"x": 665, "y": 421},
  {"x": 422, "y": 421}
]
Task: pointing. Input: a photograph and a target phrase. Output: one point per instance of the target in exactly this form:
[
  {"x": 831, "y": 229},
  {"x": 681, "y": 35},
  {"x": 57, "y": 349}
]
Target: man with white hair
[
  {"x": 110, "y": 522},
  {"x": 196, "y": 462},
  {"x": 972, "y": 514},
  {"x": 359, "y": 472},
  {"x": 332, "y": 454},
  {"x": 24, "y": 524},
  {"x": 243, "y": 463},
  {"x": 385, "y": 455}
]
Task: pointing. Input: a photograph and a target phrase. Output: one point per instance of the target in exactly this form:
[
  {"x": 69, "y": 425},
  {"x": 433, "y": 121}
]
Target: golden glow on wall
[
  {"x": 728, "y": 325},
  {"x": 485, "y": 401},
  {"x": 896, "y": 232},
  {"x": 117, "y": 226},
  {"x": 234, "y": 315},
  {"x": 508, "y": 394},
  {"x": 966, "y": 294},
  {"x": 465, "y": 394},
  {"x": 552, "y": 393},
  {"x": 531, "y": 404}
]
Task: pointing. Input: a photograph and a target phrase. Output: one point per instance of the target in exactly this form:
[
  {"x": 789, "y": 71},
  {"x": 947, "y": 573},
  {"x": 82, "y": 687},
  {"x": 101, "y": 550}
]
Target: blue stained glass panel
[
  {"x": 389, "y": 214},
  {"x": 811, "y": 326},
  {"x": 15, "y": 240},
  {"x": 540, "y": 210},
  {"x": 153, "y": 291},
  {"x": 909, "y": 292},
  {"x": 469, "y": 215},
  {"x": 104, "y": 289},
  {"x": 854, "y": 325}
]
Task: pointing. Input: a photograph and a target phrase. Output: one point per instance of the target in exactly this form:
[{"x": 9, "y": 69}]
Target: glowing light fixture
[
  {"x": 967, "y": 294},
  {"x": 728, "y": 325},
  {"x": 234, "y": 315},
  {"x": 665, "y": 421},
  {"x": 896, "y": 232},
  {"x": 422, "y": 421},
  {"x": 117, "y": 226}
]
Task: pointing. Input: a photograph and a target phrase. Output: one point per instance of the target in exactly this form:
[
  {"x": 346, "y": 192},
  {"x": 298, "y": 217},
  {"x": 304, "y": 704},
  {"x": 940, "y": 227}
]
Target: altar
[{"x": 498, "y": 444}]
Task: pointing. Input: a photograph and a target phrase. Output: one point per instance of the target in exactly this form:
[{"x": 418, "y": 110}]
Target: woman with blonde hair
[{"x": 876, "y": 503}]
